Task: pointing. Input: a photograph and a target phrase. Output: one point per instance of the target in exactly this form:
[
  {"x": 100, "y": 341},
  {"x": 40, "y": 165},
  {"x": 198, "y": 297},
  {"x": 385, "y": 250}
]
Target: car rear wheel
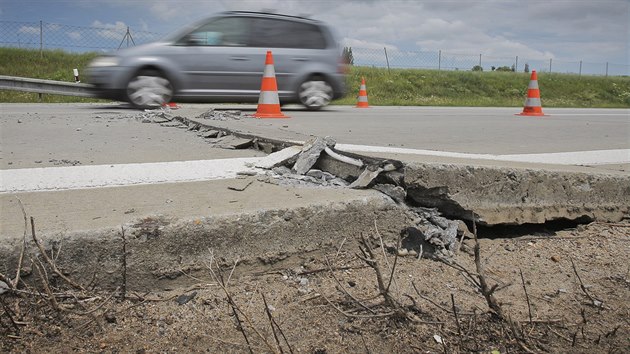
[
  {"x": 149, "y": 89},
  {"x": 315, "y": 93}
]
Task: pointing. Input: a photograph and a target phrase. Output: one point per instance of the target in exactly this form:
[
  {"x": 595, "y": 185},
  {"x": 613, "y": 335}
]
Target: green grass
[
  {"x": 415, "y": 87},
  {"x": 404, "y": 87},
  {"x": 49, "y": 65}
]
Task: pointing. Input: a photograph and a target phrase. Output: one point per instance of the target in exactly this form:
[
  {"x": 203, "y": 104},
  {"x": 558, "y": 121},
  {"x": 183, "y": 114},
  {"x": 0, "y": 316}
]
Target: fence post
[
  {"x": 580, "y": 68},
  {"x": 480, "y": 60},
  {"x": 386, "y": 58},
  {"x": 41, "y": 39},
  {"x": 440, "y": 60},
  {"x": 606, "y": 69},
  {"x": 516, "y": 65},
  {"x": 550, "y": 65}
]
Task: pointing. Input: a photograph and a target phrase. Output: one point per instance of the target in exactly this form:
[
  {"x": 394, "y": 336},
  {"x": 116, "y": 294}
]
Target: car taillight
[{"x": 342, "y": 67}]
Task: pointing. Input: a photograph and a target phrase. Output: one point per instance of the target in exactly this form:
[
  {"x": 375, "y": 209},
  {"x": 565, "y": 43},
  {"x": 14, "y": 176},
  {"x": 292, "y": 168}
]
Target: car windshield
[{"x": 177, "y": 35}]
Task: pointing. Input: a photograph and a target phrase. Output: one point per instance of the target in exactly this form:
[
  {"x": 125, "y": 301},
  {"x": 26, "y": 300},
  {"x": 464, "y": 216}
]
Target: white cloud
[
  {"x": 110, "y": 30},
  {"x": 562, "y": 29},
  {"x": 74, "y": 35},
  {"x": 29, "y": 30}
]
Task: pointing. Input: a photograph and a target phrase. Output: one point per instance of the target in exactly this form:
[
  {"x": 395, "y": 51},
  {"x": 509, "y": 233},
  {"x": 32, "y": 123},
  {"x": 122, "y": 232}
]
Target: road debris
[
  {"x": 240, "y": 184},
  {"x": 311, "y": 151}
]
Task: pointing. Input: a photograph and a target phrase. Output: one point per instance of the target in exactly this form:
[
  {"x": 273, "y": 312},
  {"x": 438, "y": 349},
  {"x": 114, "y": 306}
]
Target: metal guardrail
[{"x": 52, "y": 87}]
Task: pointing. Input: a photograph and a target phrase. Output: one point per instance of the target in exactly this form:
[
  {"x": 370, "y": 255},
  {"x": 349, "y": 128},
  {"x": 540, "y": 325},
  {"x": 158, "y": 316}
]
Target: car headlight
[{"x": 104, "y": 61}]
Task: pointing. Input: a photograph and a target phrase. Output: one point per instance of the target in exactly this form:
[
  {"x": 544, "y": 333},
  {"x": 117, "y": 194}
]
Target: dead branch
[
  {"x": 486, "y": 290},
  {"x": 123, "y": 286},
  {"x": 391, "y": 274},
  {"x": 459, "y": 328},
  {"x": 594, "y": 301},
  {"x": 96, "y": 308},
  {"x": 273, "y": 329},
  {"x": 344, "y": 289},
  {"x": 380, "y": 238},
  {"x": 387, "y": 314},
  {"x": 529, "y": 306},
  {"x": 10, "y": 314},
  {"x": 49, "y": 261},
  {"x": 272, "y": 322},
  {"x": 218, "y": 277},
  {"x": 44, "y": 279},
  {"x": 369, "y": 258},
  {"x": 436, "y": 304},
  {"x": 340, "y": 247},
  {"x": 472, "y": 278},
  {"x": 319, "y": 270},
  {"x": 21, "y": 258}
]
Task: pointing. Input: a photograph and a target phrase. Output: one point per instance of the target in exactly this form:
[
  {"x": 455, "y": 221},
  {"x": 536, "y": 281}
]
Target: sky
[{"x": 595, "y": 31}]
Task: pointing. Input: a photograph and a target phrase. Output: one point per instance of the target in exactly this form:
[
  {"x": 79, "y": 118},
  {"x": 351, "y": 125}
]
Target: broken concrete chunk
[
  {"x": 240, "y": 185},
  {"x": 231, "y": 142},
  {"x": 210, "y": 134},
  {"x": 172, "y": 124},
  {"x": 278, "y": 158},
  {"x": 220, "y": 115},
  {"x": 366, "y": 177},
  {"x": 349, "y": 160},
  {"x": 207, "y": 114},
  {"x": 311, "y": 151},
  {"x": 282, "y": 170},
  {"x": 194, "y": 127},
  {"x": 321, "y": 175},
  {"x": 397, "y": 193},
  {"x": 160, "y": 120}
]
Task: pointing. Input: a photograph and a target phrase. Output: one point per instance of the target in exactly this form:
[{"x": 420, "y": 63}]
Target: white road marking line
[
  {"x": 596, "y": 157},
  {"x": 98, "y": 176}
]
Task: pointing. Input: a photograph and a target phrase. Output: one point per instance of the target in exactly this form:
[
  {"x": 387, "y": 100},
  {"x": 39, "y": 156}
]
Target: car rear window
[{"x": 273, "y": 33}]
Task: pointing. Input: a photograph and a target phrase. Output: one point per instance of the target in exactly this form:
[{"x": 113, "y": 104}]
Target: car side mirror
[{"x": 193, "y": 40}]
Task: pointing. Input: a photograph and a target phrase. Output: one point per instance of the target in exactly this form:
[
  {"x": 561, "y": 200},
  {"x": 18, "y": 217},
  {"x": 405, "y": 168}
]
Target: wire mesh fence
[
  {"x": 105, "y": 37},
  {"x": 44, "y": 35},
  {"x": 393, "y": 58}
]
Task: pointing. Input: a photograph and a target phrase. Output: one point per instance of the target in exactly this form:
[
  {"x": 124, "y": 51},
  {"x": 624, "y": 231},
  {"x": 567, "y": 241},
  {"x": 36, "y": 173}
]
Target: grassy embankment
[{"x": 407, "y": 87}]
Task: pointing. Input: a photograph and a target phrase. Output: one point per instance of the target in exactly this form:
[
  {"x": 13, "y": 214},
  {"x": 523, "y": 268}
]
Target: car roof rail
[{"x": 270, "y": 12}]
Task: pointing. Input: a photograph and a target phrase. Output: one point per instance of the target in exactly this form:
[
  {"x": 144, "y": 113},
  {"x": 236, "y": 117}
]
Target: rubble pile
[
  {"x": 213, "y": 114},
  {"x": 431, "y": 236},
  {"x": 318, "y": 164}
]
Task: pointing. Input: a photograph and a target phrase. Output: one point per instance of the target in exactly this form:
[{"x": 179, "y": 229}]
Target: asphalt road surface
[
  {"x": 47, "y": 135},
  {"x": 56, "y": 158}
]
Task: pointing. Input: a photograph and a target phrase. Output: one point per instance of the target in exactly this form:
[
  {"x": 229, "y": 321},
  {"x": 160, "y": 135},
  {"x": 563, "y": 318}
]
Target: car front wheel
[
  {"x": 315, "y": 93},
  {"x": 149, "y": 89}
]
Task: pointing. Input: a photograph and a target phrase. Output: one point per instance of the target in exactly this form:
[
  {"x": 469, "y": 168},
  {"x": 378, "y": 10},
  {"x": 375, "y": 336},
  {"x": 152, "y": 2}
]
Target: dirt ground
[{"x": 574, "y": 296}]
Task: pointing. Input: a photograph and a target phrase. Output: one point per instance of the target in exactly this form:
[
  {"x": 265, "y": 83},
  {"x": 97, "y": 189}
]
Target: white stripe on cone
[
  {"x": 269, "y": 71},
  {"x": 268, "y": 97},
  {"x": 532, "y": 102}
]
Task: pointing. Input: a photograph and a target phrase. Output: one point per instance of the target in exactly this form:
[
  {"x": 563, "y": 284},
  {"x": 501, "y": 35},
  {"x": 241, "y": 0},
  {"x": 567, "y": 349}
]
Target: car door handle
[
  {"x": 300, "y": 58},
  {"x": 239, "y": 58}
]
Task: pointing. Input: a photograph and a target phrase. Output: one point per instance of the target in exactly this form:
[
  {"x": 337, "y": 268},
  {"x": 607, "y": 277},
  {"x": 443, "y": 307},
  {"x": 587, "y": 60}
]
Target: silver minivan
[{"x": 222, "y": 59}]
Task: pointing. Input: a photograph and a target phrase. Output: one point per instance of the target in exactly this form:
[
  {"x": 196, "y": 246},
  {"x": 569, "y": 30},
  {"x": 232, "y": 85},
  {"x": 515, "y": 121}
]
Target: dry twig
[
  {"x": 594, "y": 301},
  {"x": 49, "y": 261},
  {"x": 529, "y": 306}
]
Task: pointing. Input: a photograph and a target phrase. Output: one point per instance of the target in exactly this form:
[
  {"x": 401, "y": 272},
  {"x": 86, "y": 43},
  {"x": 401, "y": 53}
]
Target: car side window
[
  {"x": 228, "y": 31},
  {"x": 272, "y": 33}
]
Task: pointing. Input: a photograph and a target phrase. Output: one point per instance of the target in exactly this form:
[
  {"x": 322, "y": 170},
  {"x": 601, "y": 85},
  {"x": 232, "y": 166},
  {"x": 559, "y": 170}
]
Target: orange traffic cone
[
  {"x": 532, "y": 104},
  {"x": 268, "y": 101},
  {"x": 171, "y": 105},
  {"x": 363, "y": 99}
]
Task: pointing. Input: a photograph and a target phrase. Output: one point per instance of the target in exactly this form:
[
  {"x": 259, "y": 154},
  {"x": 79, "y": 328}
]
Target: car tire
[
  {"x": 315, "y": 93},
  {"x": 149, "y": 89}
]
